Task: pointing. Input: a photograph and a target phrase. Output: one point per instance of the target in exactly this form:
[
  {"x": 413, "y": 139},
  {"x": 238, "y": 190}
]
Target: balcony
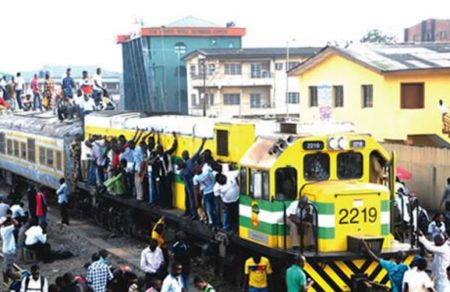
[{"x": 217, "y": 79}]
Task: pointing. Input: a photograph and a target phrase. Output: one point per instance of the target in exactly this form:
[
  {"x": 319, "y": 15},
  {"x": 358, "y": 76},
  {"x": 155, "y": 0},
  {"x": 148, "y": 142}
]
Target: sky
[{"x": 83, "y": 32}]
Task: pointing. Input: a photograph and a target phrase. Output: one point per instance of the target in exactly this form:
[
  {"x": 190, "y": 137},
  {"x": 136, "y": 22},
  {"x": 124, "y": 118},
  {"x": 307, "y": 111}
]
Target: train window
[
  {"x": 31, "y": 150},
  {"x": 316, "y": 166},
  {"x": 16, "y": 148},
  {"x": 23, "y": 150},
  {"x": 349, "y": 165},
  {"x": 259, "y": 184},
  {"x": 2, "y": 143},
  {"x": 50, "y": 157},
  {"x": 243, "y": 181},
  {"x": 42, "y": 155},
  {"x": 286, "y": 183},
  {"x": 222, "y": 142},
  {"x": 9, "y": 146},
  {"x": 265, "y": 185},
  {"x": 58, "y": 160}
]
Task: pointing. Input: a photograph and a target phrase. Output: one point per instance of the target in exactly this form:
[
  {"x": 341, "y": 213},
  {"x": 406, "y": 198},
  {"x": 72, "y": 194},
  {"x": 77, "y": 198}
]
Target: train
[{"x": 348, "y": 178}]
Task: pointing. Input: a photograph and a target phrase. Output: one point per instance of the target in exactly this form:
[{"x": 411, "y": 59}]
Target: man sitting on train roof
[{"x": 300, "y": 214}]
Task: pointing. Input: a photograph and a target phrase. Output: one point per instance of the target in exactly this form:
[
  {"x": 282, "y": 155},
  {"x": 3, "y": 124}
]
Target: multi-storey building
[
  {"x": 154, "y": 74},
  {"x": 244, "y": 82},
  {"x": 430, "y": 30}
]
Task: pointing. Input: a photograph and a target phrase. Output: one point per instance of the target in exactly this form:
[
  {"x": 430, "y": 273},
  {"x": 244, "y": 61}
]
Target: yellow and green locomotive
[{"x": 348, "y": 179}]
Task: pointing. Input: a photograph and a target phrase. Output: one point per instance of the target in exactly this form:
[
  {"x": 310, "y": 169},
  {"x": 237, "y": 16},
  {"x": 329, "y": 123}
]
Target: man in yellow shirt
[{"x": 257, "y": 274}]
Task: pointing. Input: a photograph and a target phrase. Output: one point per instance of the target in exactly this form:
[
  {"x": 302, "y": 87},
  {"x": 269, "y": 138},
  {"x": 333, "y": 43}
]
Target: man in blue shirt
[
  {"x": 68, "y": 85},
  {"x": 63, "y": 200},
  {"x": 186, "y": 168},
  {"x": 396, "y": 270}
]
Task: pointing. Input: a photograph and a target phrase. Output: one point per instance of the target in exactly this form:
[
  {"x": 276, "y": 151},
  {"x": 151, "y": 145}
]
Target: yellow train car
[{"x": 227, "y": 141}]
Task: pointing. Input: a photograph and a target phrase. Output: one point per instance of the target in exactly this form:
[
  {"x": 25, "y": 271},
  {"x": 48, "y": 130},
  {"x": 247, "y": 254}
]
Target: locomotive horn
[{"x": 290, "y": 140}]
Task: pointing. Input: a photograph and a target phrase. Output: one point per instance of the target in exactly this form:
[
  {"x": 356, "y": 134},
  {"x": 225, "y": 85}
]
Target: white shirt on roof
[{"x": 97, "y": 79}]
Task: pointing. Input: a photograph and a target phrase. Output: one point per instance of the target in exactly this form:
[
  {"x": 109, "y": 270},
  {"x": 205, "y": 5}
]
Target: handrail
[{"x": 315, "y": 227}]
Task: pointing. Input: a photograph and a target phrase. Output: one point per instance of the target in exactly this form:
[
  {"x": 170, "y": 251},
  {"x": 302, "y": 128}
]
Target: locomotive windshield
[
  {"x": 316, "y": 166},
  {"x": 349, "y": 165}
]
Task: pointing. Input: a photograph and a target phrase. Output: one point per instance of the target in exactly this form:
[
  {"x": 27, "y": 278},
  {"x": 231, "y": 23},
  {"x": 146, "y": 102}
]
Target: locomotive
[{"x": 348, "y": 178}]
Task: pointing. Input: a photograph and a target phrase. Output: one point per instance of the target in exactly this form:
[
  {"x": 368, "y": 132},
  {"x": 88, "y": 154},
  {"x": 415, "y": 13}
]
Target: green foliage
[{"x": 376, "y": 36}]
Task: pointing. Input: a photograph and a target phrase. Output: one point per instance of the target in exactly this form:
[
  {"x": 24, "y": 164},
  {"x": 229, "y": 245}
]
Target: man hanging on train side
[{"x": 301, "y": 216}]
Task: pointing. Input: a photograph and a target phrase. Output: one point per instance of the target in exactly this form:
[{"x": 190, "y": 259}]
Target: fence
[{"x": 430, "y": 168}]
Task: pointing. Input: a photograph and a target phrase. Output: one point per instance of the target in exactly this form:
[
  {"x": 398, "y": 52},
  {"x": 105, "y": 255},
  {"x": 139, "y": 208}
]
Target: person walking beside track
[{"x": 63, "y": 200}]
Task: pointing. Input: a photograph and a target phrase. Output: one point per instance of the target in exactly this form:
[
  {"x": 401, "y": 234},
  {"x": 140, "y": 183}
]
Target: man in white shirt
[
  {"x": 226, "y": 190},
  {"x": 296, "y": 210},
  {"x": 18, "y": 212},
  {"x": 416, "y": 279},
  {"x": 36, "y": 239},
  {"x": 20, "y": 88},
  {"x": 4, "y": 207},
  {"x": 98, "y": 86},
  {"x": 9, "y": 243},
  {"x": 152, "y": 260},
  {"x": 87, "y": 106},
  {"x": 34, "y": 282},
  {"x": 441, "y": 259},
  {"x": 172, "y": 283}
]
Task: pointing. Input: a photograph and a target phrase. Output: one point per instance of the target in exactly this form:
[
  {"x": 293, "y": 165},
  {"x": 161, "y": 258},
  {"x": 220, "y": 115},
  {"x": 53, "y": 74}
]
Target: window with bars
[
  {"x": 58, "y": 160},
  {"x": 231, "y": 99},
  {"x": 233, "y": 69},
  {"x": 49, "y": 157},
  {"x": 31, "y": 150},
  {"x": 255, "y": 100},
  {"x": 23, "y": 150},
  {"x": 42, "y": 155},
  {"x": 293, "y": 97},
  {"x": 2, "y": 143}
]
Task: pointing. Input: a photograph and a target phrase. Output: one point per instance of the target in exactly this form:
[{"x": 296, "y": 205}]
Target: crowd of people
[
  {"x": 67, "y": 100},
  {"x": 141, "y": 168}
]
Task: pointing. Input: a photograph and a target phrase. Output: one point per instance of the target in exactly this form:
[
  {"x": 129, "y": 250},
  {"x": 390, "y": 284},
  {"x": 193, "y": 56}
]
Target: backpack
[{"x": 27, "y": 282}]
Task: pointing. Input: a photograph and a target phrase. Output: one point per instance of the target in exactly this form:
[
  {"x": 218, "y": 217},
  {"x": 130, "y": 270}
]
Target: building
[
  {"x": 390, "y": 91},
  {"x": 244, "y": 82},
  {"x": 154, "y": 74},
  {"x": 430, "y": 30},
  {"x": 110, "y": 79}
]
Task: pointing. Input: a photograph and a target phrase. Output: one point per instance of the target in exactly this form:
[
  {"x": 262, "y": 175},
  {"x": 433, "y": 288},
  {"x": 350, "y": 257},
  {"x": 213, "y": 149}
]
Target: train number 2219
[{"x": 356, "y": 216}]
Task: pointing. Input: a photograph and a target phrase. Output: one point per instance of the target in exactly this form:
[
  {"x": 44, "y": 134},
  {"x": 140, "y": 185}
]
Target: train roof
[
  {"x": 45, "y": 124},
  {"x": 204, "y": 126}
]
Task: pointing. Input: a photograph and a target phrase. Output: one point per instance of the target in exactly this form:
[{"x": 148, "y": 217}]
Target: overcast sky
[{"x": 82, "y": 32}]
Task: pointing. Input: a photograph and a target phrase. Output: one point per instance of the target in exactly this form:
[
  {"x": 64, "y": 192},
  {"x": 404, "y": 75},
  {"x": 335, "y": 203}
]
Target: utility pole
[
  {"x": 287, "y": 80},
  {"x": 203, "y": 65}
]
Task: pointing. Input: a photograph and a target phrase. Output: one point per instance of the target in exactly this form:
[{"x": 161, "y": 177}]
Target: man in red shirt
[
  {"x": 34, "y": 85},
  {"x": 41, "y": 207}
]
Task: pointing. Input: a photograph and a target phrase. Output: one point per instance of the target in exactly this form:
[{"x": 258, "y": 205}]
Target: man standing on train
[
  {"x": 186, "y": 168},
  {"x": 227, "y": 191}
]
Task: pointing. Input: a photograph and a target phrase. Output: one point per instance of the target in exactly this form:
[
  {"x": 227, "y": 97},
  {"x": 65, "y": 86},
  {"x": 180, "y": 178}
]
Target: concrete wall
[{"x": 430, "y": 168}]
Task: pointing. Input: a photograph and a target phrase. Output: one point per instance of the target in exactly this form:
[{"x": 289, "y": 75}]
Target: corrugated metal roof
[
  {"x": 387, "y": 58},
  {"x": 191, "y": 21},
  {"x": 246, "y": 53},
  {"x": 402, "y": 56}
]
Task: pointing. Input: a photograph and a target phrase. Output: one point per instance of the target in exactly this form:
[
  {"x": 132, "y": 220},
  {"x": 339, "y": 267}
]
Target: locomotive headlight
[
  {"x": 343, "y": 143},
  {"x": 333, "y": 143}
]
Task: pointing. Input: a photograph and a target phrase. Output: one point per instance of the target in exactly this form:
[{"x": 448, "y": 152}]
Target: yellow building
[{"x": 390, "y": 91}]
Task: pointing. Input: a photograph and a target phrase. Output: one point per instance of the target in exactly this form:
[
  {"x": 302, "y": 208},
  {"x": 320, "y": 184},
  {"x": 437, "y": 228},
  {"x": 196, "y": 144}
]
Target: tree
[{"x": 376, "y": 36}]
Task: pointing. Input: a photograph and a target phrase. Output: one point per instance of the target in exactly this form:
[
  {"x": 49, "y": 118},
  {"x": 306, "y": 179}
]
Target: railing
[
  {"x": 222, "y": 75},
  {"x": 314, "y": 226}
]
